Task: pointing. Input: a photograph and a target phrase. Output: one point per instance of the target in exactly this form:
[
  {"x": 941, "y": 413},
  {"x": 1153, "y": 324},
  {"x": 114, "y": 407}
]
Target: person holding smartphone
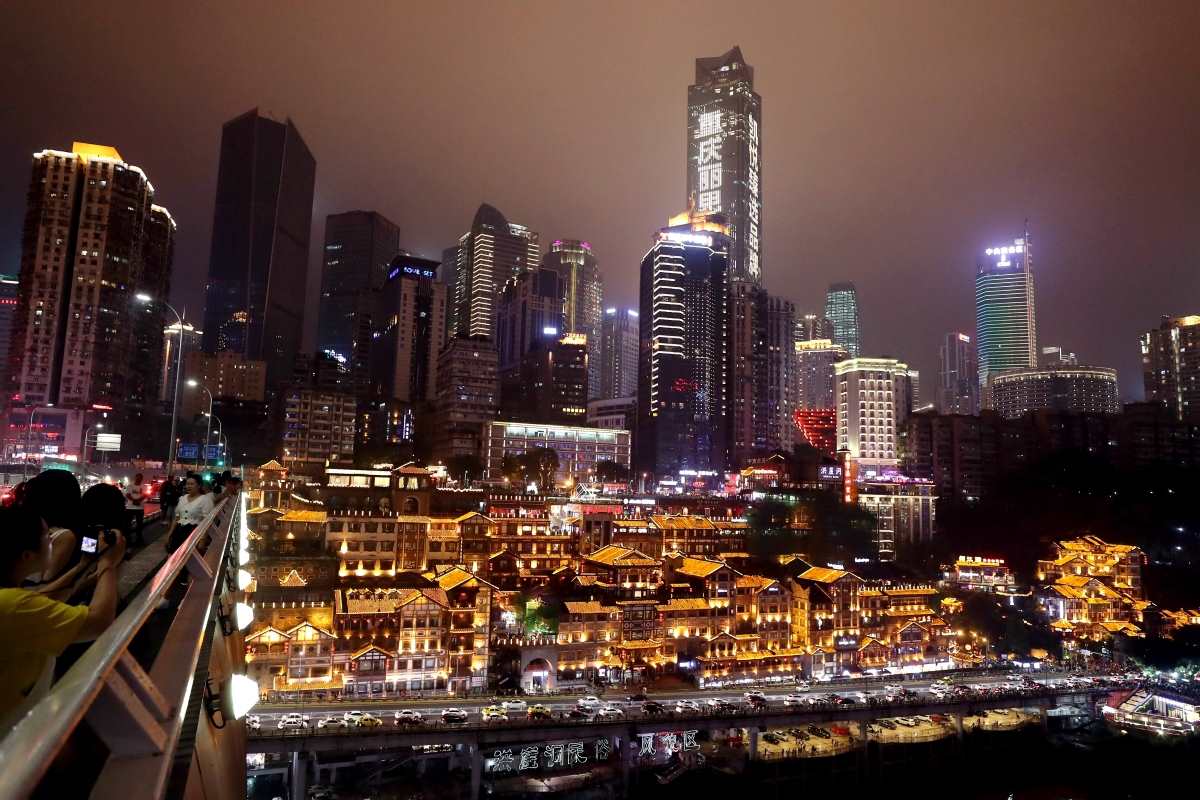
[
  {"x": 134, "y": 498},
  {"x": 36, "y": 629},
  {"x": 190, "y": 511}
]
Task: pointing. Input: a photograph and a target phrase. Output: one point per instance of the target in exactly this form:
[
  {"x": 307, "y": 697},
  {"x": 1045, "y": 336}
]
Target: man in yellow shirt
[{"x": 34, "y": 629}]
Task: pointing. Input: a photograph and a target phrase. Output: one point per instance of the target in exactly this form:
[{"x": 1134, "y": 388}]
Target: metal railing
[{"x": 137, "y": 714}]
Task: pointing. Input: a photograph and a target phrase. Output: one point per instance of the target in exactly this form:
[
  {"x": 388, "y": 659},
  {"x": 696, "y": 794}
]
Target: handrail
[{"x": 33, "y": 743}]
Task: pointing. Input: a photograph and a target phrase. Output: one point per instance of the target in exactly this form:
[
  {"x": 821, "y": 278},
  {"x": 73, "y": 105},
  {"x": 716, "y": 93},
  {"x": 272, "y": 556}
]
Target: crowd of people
[{"x": 61, "y": 552}]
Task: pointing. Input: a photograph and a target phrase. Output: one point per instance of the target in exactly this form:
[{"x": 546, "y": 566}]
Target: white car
[
  {"x": 938, "y": 690},
  {"x": 290, "y": 723},
  {"x": 455, "y": 716},
  {"x": 515, "y": 705},
  {"x": 892, "y": 688},
  {"x": 803, "y": 685},
  {"x": 754, "y": 694},
  {"x": 795, "y": 700},
  {"x": 608, "y": 712},
  {"x": 253, "y": 722},
  {"x": 332, "y": 721},
  {"x": 590, "y": 703},
  {"x": 687, "y": 705},
  {"x": 352, "y": 716},
  {"x": 409, "y": 716}
]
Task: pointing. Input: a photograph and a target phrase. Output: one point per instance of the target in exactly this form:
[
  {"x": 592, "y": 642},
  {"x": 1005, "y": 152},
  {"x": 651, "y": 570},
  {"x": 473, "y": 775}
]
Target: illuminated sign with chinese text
[
  {"x": 708, "y": 161},
  {"x": 686, "y": 238},
  {"x": 755, "y": 206},
  {"x": 558, "y": 755}
]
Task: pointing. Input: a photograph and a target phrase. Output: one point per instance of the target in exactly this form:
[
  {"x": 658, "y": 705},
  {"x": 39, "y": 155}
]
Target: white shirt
[
  {"x": 133, "y": 496},
  {"x": 193, "y": 512}
]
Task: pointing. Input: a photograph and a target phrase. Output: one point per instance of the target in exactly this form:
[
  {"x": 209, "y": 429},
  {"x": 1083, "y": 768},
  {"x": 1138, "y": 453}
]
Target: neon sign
[
  {"x": 755, "y": 203},
  {"x": 708, "y": 160},
  {"x": 558, "y": 755},
  {"x": 686, "y": 238}
]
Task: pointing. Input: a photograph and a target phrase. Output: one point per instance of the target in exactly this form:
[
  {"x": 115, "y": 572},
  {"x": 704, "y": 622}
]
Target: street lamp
[
  {"x": 142, "y": 297},
  {"x": 208, "y": 428},
  {"x": 84, "y": 455},
  {"x": 28, "y": 434},
  {"x": 220, "y": 432}
]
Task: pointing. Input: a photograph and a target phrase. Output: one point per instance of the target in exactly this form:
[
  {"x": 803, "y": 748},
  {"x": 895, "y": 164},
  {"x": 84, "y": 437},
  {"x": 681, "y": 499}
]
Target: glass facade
[
  {"x": 841, "y": 309},
  {"x": 1005, "y": 324}
]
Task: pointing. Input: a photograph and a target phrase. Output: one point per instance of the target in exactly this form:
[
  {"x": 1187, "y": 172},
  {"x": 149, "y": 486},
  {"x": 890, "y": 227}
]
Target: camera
[{"x": 89, "y": 542}]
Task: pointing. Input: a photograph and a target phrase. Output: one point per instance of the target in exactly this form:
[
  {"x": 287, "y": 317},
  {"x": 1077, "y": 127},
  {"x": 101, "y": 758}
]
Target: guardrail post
[
  {"x": 958, "y": 725},
  {"x": 476, "y": 770},
  {"x": 752, "y": 743},
  {"x": 298, "y": 782}
]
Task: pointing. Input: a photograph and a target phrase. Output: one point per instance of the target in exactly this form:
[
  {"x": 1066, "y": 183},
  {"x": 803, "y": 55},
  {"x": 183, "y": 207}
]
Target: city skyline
[{"x": 825, "y": 229}]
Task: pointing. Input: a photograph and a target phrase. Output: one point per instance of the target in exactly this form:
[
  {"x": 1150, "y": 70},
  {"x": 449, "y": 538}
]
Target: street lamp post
[
  {"x": 220, "y": 432},
  {"x": 208, "y": 424},
  {"x": 84, "y": 455},
  {"x": 145, "y": 298},
  {"x": 28, "y": 437}
]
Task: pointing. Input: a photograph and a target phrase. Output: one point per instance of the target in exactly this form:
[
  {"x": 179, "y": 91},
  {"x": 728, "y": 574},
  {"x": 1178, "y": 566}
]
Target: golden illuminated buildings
[
  {"x": 1092, "y": 589},
  {"x": 1117, "y": 565},
  {"x": 979, "y": 574},
  {"x": 578, "y": 448},
  {"x": 1171, "y": 366},
  {"x": 82, "y": 340}
]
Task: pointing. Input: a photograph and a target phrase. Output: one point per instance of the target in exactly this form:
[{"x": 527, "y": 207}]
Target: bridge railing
[{"x": 139, "y": 713}]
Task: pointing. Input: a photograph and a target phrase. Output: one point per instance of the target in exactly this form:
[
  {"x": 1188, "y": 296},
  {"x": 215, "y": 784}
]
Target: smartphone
[{"x": 88, "y": 544}]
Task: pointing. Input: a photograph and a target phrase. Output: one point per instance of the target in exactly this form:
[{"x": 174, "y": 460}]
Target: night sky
[{"x": 899, "y": 139}]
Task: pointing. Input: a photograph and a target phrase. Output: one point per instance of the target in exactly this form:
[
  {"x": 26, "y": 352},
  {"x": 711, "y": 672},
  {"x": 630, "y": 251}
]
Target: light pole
[
  {"x": 83, "y": 456},
  {"x": 145, "y": 298},
  {"x": 208, "y": 425},
  {"x": 28, "y": 435},
  {"x": 220, "y": 432}
]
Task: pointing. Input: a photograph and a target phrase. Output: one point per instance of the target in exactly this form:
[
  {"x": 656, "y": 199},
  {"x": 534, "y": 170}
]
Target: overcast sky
[{"x": 899, "y": 138}]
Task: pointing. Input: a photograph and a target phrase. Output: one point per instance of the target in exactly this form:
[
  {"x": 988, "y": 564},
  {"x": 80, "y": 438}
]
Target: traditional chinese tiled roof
[
  {"x": 681, "y": 521},
  {"x": 295, "y": 629},
  {"x": 268, "y": 632},
  {"x": 823, "y": 574},
  {"x": 629, "y": 523},
  {"x": 272, "y": 465},
  {"x": 470, "y": 515},
  {"x": 699, "y": 567},
  {"x": 366, "y": 648},
  {"x": 617, "y": 556},
  {"x": 304, "y": 516},
  {"x": 753, "y": 582},
  {"x": 685, "y": 604},
  {"x": 587, "y": 607},
  {"x": 384, "y": 601}
]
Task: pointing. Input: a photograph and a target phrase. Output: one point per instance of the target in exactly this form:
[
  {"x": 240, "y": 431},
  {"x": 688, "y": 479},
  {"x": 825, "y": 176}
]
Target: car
[
  {"x": 579, "y": 713},
  {"x": 886, "y": 723},
  {"x": 539, "y": 711},
  {"x": 754, "y": 694},
  {"x": 454, "y": 716},
  {"x": 640, "y": 697},
  {"x": 515, "y": 705},
  {"x": 590, "y": 702},
  {"x": 352, "y": 716},
  {"x": 653, "y": 707},
  {"x": 801, "y": 684},
  {"x": 253, "y": 722},
  {"x": 795, "y": 700},
  {"x": 332, "y": 721},
  {"x": 409, "y": 716},
  {"x": 892, "y": 688},
  {"x": 493, "y": 713},
  {"x": 369, "y": 721},
  {"x": 772, "y": 738},
  {"x": 687, "y": 706},
  {"x": 610, "y": 712},
  {"x": 290, "y": 723}
]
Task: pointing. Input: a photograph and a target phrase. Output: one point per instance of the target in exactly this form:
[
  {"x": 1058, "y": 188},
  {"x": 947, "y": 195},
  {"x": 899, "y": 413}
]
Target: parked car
[
  {"x": 801, "y": 684},
  {"x": 409, "y": 716},
  {"x": 772, "y": 738},
  {"x": 886, "y": 723},
  {"x": 539, "y": 712},
  {"x": 454, "y": 716},
  {"x": 369, "y": 721},
  {"x": 491, "y": 713},
  {"x": 332, "y": 721},
  {"x": 515, "y": 705}
]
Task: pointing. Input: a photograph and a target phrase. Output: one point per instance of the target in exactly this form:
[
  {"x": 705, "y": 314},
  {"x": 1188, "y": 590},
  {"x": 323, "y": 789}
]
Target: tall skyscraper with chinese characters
[
  {"x": 1005, "y": 323},
  {"x": 583, "y": 289},
  {"x": 619, "y": 354},
  {"x": 258, "y": 264},
  {"x": 958, "y": 375},
  {"x": 1171, "y": 366},
  {"x": 683, "y": 365},
  {"x": 724, "y": 147},
  {"x": 841, "y": 308},
  {"x": 80, "y": 339},
  {"x": 359, "y": 248},
  {"x": 493, "y": 251}
]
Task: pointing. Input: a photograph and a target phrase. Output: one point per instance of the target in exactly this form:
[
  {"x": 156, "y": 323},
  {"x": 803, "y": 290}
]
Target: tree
[
  {"x": 512, "y": 468},
  {"x": 611, "y": 472},
  {"x": 540, "y": 465},
  {"x": 464, "y": 467}
]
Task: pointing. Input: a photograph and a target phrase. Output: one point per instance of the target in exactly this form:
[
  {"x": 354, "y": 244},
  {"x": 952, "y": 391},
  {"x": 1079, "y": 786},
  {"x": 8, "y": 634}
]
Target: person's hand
[{"x": 114, "y": 553}]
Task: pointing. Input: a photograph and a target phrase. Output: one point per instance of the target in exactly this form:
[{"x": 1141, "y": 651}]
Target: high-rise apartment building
[
  {"x": 258, "y": 265},
  {"x": 814, "y": 372},
  {"x": 490, "y": 253},
  {"x": 748, "y": 419},
  {"x": 1082, "y": 389},
  {"x": 958, "y": 375},
  {"x": 724, "y": 147},
  {"x": 1171, "y": 366},
  {"x": 467, "y": 396},
  {"x": 9, "y": 294},
  {"x": 582, "y": 290},
  {"x": 529, "y": 310},
  {"x": 227, "y": 375},
  {"x": 549, "y": 384},
  {"x": 841, "y": 308},
  {"x": 782, "y": 379},
  {"x": 1005, "y": 323},
  {"x": 409, "y": 331},
  {"x": 318, "y": 430},
  {"x": 683, "y": 365},
  {"x": 813, "y": 326},
  {"x": 359, "y": 248},
  {"x": 619, "y": 353},
  {"x": 93, "y": 241},
  {"x": 875, "y": 398},
  {"x": 191, "y": 340}
]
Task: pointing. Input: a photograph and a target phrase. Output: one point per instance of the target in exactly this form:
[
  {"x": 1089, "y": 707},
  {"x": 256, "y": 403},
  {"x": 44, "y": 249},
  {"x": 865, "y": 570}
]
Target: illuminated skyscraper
[
  {"x": 875, "y": 398},
  {"x": 814, "y": 372},
  {"x": 1171, "y": 366},
  {"x": 841, "y": 308},
  {"x": 782, "y": 384},
  {"x": 958, "y": 375},
  {"x": 619, "y": 354},
  {"x": 1005, "y": 324},
  {"x": 582, "y": 289},
  {"x": 529, "y": 312},
  {"x": 724, "y": 147},
  {"x": 683, "y": 366},
  {"x": 493, "y": 251},
  {"x": 813, "y": 326},
  {"x": 258, "y": 264}
]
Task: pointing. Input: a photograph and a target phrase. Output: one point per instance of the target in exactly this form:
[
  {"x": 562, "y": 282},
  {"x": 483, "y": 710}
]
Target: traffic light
[
  {"x": 220, "y": 462},
  {"x": 208, "y": 476}
]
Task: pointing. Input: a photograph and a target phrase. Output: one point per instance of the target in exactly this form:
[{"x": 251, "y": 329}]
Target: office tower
[
  {"x": 359, "y": 247},
  {"x": 409, "y": 330},
  {"x": 493, "y": 251},
  {"x": 467, "y": 396},
  {"x": 1005, "y": 324},
  {"x": 782, "y": 380},
  {"x": 724, "y": 147},
  {"x": 841, "y": 308},
  {"x": 747, "y": 341},
  {"x": 258, "y": 265},
  {"x": 549, "y": 384},
  {"x": 683, "y": 364},
  {"x": 9, "y": 292},
  {"x": 813, "y": 326},
  {"x": 190, "y": 339},
  {"x": 1017, "y": 392},
  {"x": 582, "y": 288},
  {"x": 80, "y": 339},
  {"x": 619, "y": 354},
  {"x": 1053, "y": 355},
  {"x": 958, "y": 375},
  {"x": 814, "y": 372},
  {"x": 529, "y": 309},
  {"x": 1171, "y": 366},
  {"x": 875, "y": 398}
]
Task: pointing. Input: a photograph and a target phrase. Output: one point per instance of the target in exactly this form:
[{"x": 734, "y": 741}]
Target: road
[{"x": 270, "y": 714}]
